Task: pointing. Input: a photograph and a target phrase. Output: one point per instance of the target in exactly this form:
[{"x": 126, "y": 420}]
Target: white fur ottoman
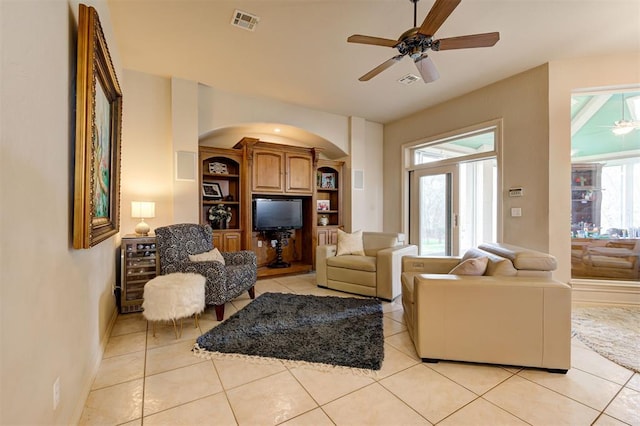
[{"x": 173, "y": 296}]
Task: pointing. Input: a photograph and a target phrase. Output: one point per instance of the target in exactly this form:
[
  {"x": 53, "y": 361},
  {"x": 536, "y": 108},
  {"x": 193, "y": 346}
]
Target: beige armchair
[
  {"x": 376, "y": 274},
  {"x": 513, "y": 314}
]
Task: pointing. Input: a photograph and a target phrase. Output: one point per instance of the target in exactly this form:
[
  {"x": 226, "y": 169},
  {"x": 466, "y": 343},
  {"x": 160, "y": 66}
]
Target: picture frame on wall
[
  {"x": 96, "y": 210},
  {"x": 212, "y": 190}
]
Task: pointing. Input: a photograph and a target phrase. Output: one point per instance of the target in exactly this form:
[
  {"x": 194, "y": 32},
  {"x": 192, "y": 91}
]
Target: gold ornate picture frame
[{"x": 96, "y": 212}]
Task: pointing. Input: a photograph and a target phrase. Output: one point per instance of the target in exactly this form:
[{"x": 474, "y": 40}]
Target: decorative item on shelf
[
  {"x": 229, "y": 197},
  {"x": 212, "y": 190},
  {"x": 143, "y": 210},
  {"x": 324, "y": 205},
  {"x": 323, "y": 220},
  {"x": 220, "y": 216},
  {"x": 218, "y": 168},
  {"x": 329, "y": 181}
]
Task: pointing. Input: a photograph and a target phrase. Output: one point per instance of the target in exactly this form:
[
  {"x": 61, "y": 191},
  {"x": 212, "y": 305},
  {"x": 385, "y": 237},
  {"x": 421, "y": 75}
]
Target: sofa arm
[
  {"x": 430, "y": 264},
  {"x": 242, "y": 257},
  {"x": 322, "y": 254},
  {"x": 389, "y": 270}
]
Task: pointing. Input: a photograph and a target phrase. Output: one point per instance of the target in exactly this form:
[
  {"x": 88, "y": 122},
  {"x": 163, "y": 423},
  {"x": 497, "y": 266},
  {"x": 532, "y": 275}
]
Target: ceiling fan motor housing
[{"x": 415, "y": 44}]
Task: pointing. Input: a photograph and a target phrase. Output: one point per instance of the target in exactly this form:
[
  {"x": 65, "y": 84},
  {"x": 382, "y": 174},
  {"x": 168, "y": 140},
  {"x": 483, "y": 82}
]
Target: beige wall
[
  {"x": 521, "y": 102},
  {"x": 184, "y": 130},
  {"x": 56, "y": 303},
  {"x": 364, "y": 206},
  {"x": 219, "y": 109},
  {"x": 146, "y": 148}
]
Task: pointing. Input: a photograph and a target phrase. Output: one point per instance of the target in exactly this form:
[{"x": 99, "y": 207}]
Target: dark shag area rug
[
  {"x": 611, "y": 331},
  {"x": 333, "y": 331}
]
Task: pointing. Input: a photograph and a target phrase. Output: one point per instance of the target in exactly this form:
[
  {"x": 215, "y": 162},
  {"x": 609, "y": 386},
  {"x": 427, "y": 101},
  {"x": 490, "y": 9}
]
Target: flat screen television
[{"x": 271, "y": 214}]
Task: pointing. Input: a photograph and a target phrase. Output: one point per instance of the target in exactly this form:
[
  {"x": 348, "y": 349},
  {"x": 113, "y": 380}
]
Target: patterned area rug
[
  {"x": 331, "y": 331},
  {"x": 611, "y": 331}
]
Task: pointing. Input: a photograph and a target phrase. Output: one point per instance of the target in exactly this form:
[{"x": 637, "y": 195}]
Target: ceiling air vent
[
  {"x": 408, "y": 79},
  {"x": 244, "y": 20}
]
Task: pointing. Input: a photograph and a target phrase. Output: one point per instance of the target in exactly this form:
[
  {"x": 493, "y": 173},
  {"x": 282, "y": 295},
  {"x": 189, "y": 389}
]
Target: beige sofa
[
  {"x": 376, "y": 274},
  {"x": 515, "y": 314}
]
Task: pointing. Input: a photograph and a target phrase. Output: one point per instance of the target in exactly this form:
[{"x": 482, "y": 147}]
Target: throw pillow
[
  {"x": 350, "y": 243},
  {"x": 207, "y": 256},
  {"x": 474, "y": 266}
]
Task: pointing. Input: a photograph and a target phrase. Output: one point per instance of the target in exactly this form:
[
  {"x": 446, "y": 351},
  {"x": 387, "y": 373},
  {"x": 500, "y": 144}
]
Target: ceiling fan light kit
[
  {"x": 416, "y": 41},
  {"x": 624, "y": 127}
]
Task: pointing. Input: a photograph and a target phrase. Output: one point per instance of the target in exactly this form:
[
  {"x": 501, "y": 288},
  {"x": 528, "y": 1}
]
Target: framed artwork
[
  {"x": 328, "y": 181},
  {"x": 324, "y": 205},
  {"x": 96, "y": 204},
  {"x": 212, "y": 190}
]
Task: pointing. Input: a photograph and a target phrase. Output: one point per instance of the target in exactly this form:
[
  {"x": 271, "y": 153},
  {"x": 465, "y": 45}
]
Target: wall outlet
[
  {"x": 259, "y": 243},
  {"x": 56, "y": 393}
]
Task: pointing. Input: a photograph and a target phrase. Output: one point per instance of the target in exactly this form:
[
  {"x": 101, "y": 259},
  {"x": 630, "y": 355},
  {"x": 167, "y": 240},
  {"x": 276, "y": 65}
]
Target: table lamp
[{"x": 142, "y": 210}]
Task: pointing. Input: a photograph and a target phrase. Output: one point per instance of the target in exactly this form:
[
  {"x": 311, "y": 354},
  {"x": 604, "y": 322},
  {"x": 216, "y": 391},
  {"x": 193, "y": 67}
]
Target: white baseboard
[
  {"x": 95, "y": 365},
  {"x": 610, "y": 292}
]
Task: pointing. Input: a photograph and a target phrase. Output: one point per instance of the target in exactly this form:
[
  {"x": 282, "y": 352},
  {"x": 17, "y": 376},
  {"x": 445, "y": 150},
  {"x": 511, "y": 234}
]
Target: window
[
  {"x": 481, "y": 141},
  {"x": 453, "y": 197},
  {"x": 621, "y": 198}
]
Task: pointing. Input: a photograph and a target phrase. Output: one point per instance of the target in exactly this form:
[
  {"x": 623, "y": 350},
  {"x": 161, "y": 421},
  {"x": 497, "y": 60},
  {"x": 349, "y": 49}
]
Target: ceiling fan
[
  {"x": 416, "y": 41},
  {"x": 624, "y": 127}
]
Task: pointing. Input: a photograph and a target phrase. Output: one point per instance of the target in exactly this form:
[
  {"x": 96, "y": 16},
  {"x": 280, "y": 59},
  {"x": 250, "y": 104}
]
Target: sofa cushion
[
  {"x": 350, "y": 243},
  {"x": 612, "y": 262},
  {"x": 376, "y": 241},
  {"x": 522, "y": 258},
  {"x": 207, "y": 256},
  {"x": 475, "y": 266},
  {"x": 353, "y": 277},
  {"x": 496, "y": 265},
  {"x": 349, "y": 261}
]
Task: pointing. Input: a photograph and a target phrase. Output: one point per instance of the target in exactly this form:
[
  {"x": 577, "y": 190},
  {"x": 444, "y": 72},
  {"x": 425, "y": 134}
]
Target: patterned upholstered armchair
[{"x": 224, "y": 281}]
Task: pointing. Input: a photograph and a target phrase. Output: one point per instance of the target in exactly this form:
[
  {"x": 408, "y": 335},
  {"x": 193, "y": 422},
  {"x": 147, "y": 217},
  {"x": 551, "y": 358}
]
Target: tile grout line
[
  {"x": 613, "y": 399},
  {"x": 144, "y": 373}
]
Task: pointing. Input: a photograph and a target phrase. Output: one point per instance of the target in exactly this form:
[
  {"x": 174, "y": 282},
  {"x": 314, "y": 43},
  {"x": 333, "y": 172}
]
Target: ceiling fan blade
[
  {"x": 437, "y": 15},
  {"x": 427, "y": 69},
  {"x": 468, "y": 41},
  {"x": 378, "y": 41},
  {"x": 383, "y": 66}
]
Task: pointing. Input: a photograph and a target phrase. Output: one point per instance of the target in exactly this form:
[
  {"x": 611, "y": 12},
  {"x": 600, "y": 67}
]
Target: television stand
[{"x": 279, "y": 237}]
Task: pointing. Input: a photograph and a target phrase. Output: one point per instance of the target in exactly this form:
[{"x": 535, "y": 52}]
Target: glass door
[{"x": 433, "y": 207}]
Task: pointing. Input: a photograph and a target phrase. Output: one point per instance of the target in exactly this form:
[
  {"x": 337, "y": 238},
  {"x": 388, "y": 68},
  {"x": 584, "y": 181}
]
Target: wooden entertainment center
[{"x": 254, "y": 169}]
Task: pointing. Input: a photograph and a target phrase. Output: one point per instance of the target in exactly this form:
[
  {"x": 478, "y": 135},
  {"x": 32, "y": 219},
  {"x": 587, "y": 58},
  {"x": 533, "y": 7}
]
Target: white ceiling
[{"x": 299, "y": 53}]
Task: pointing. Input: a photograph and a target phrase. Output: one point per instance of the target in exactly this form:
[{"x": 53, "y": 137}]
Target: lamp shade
[{"x": 143, "y": 209}]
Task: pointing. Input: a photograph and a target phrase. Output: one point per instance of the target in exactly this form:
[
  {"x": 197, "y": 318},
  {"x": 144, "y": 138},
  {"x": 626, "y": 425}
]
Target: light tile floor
[{"x": 157, "y": 380}]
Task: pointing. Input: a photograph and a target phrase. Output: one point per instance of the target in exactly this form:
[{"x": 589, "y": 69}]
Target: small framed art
[
  {"x": 324, "y": 205},
  {"x": 328, "y": 181},
  {"x": 212, "y": 190}
]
